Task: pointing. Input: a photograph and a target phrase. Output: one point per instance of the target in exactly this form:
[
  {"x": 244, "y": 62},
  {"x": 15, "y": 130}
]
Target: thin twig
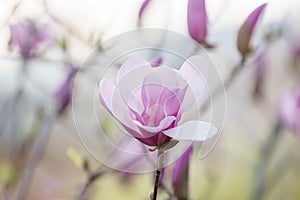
[
  {"x": 162, "y": 182},
  {"x": 276, "y": 175},
  {"x": 156, "y": 184},
  {"x": 14, "y": 9},
  {"x": 64, "y": 25},
  {"x": 267, "y": 151},
  {"x": 224, "y": 85},
  {"x": 37, "y": 153},
  {"x": 91, "y": 179}
]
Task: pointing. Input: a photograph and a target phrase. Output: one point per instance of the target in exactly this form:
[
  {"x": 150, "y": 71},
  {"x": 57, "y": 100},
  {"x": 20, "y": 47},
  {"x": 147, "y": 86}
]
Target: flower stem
[
  {"x": 91, "y": 179},
  {"x": 37, "y": 153},
  {"x": 156, "y": 184},
  {"x": 159, "y": 163},
  {"x": 225, "y": 85},
  {"x": 258, "y": 190}
]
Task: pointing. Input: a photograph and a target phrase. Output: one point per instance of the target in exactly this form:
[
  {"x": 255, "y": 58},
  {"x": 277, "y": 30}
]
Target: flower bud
[{"x": 246, "y": 30}]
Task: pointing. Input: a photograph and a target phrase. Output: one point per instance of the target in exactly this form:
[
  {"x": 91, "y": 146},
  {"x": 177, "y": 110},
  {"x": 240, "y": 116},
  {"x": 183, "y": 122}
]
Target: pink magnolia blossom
[
  {"x": 289, "y": 110},
  {"x": 197, "y": 20},
  {"x": 149, "y": 102},
  {"x": 247, "y": 28},
  {"x": 29, "y": 36}
]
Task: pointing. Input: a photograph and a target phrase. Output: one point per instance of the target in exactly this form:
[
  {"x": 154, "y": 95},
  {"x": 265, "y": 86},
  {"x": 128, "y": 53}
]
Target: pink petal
[
  {"x": 246, "y": 30},
  {"x": 253, "y": 17},
  {"x": 135, "y": 103},
  {"x": 29, "y": 35},
  {"x": 155, "y": 140},
  {"x": 194, "y": 71},
  {"x": 20, "y": 33},
  {"x": 44, "y": 33},
  {"x": 157, "y": 114},
  {"x": 172, "y": 104},
  {"x": 151, "y": 92},
  {"x": 143, "y": 7},
  {"x": 160, "y": 82},
  {"x": 131, "y": 76},
  {"x": 111, "y": 99},
  {"x": 197, "y": 131},
  {"x": 197, "y": 20},
  {"x": 148, "y": 130},
  {"x": 149, "y": 82},
  {"x": 129, "y": 65},
  {"x": 157, "y": 61},
  {"x": 106, "y": 93},
  {"x": 286, "y": 109}
]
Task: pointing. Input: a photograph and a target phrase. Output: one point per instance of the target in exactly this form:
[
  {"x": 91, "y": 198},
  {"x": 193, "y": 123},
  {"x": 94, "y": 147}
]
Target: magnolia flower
[
  {"x": 197, "y": 20},
  {"x": 29, "y": 36},
  {"x": 289, "y": 110},
  {"x": 247, "y": 28},
  {"x": 149, "y": 102}
]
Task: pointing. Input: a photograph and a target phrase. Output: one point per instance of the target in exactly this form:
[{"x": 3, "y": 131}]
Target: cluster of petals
[
  {"x": 29, "y": 36},
  {"x": 149, "y": 101},
  {"x": 289, "y": 110}
]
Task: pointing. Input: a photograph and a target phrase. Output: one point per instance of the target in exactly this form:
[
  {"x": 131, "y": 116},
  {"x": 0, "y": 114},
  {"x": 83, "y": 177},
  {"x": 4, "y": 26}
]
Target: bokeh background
[{"x": 257, "y": 156}]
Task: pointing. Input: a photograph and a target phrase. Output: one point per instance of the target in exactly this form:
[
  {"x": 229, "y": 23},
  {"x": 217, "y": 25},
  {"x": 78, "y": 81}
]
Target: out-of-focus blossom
[
  {"x": 246, "y": 30},
  {"x": 143, "y": 7},
  {"x": 148, "y": 102},
  {"x": 295, "y": 50},
  {"x": 64, "y": 93},
  {"x": 197, "y": 20},
  {"x": 179, "y": 170},
  {"x": 157, "y": 61},
  {"x": 289, "y": 110},
  {"x": 29, "y": 36},
  {"x": 294, "y": 46}
]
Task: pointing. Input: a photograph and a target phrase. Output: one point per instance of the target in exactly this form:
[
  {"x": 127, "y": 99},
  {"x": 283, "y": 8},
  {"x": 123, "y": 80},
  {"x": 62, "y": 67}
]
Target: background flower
[
  {"x": 289, "y": 110},
  {"x": 29, "y": 36}
]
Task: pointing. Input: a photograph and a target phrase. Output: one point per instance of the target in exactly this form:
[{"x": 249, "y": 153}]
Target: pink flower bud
[
  {"x": 157, "y": 61},
  {"x": 246, "y": 30},
  {"x": 64, "y": 93},
  {"x": 29, "y": 36},
  {"x": 143, "y": 7},
  {"x": 197, "y": 20}
]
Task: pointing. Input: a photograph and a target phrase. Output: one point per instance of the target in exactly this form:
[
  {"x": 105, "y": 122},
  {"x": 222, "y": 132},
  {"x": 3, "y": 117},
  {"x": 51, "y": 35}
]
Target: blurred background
[{"x": 43, "y": 45}]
